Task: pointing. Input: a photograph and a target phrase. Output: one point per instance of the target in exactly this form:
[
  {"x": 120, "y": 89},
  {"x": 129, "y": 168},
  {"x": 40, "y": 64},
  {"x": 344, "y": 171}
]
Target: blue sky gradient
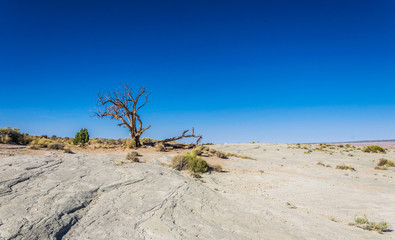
[{"x": 238, "y": 71}]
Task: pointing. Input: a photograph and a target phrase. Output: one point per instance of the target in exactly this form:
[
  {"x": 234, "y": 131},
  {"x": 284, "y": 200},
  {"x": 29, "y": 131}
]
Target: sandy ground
[{"x": 280, "y": 194}]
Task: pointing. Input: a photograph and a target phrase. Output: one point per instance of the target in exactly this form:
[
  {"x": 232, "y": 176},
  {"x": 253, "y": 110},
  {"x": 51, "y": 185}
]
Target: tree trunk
[{"x": 137, "y": 141}]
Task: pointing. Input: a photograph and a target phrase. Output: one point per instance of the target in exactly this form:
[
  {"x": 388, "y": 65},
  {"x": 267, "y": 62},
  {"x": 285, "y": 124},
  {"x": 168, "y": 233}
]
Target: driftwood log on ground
[
  {"x": 170, "y": 142},
  {"x": 199, "y": 137}
]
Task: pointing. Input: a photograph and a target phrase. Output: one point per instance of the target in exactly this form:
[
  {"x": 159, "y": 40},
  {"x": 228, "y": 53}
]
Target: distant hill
[{"x": 382, "y": 143}]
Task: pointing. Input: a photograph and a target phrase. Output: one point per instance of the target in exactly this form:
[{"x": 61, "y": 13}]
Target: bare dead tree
[
  {"x": 122, "y": 106},
  {"x": 199, "y": 137}
]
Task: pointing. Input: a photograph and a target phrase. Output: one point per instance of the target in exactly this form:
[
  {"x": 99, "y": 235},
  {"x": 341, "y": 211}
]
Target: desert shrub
[
  {"x": 179, "y": 162},
  {"x": 221, "y": 155},
  {"x": 34, "y": 147},
  {"x": 132, "y": 156},
  {"x": 160, "y": 147},
  {"x": 365, "y": 224},
  {"x": 373, "y": 149},
  {"x": 320, "y": 163},
  {"x": 146, "y": 140},
  {"x": 9, "y": 135},
  {"x": 68, "y": 150},
  {"x": 212, "y": 150},
  {"x": 129, "y": 143},
  {"x": 345, "y": 167},
  {"x": 133, "y": 153},
  {"x": 112, "y": 141},
  {"x": 55, "y": 146},
  {"x": 82, "y": 137},
  {"x": 198, "y": 165},
  {"x": 191, "y": 162},
  {"x": 42, "y": 142},
  {"x": 383, "y": 164},
  {"x": 216, "y": 168}
]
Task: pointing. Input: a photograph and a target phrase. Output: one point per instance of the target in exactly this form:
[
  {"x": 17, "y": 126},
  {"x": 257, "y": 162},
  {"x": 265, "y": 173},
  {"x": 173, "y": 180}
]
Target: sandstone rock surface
[{"x": 92, "y": 196}]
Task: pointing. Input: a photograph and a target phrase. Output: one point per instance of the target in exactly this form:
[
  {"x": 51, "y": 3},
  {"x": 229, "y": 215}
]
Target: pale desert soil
[{"x": 282, "y": 194}]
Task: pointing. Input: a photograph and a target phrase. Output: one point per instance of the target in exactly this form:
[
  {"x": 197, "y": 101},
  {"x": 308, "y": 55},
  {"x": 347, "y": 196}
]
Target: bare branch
[{"x": 183, "y": 136}]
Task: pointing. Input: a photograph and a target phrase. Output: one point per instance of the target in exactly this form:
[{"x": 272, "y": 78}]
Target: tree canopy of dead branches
[{"x": 121, "y": 105}]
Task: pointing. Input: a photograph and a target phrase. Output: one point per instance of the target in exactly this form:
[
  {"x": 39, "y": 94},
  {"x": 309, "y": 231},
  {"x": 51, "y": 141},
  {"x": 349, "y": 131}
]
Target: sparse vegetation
[
  {"x": 221, "y": 154},
  {"x": 216, "y": 168},
  {"x": 68, "y": 150},
  {"x": 9, "y": 135},
  {"x": 55, "y": 146},
  {"x": 198, "y": 151},
  {"x": 132, "y": 157},
  {"x": 212, "y": 150},
  {"x": 365, "y": 224},
  {"x": 160, "y": 147},
  {"x": 384, "y": 164},
  {"x": 374, "y": 149},
  {"x": 345, "y": 167}
]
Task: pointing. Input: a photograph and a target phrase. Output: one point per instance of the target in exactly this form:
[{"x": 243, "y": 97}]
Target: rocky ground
[{"x": 280, "y": 194}]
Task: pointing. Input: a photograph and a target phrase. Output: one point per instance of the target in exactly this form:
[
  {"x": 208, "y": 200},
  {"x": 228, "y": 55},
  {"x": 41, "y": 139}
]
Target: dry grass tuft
[
  {"x": 160, "y": 147},
  {"x": 216, "y": 168},
  {"x": 55, "y": 146},
  {"x": 132, "y": 157},
  {"x": 345, "y": 167}
]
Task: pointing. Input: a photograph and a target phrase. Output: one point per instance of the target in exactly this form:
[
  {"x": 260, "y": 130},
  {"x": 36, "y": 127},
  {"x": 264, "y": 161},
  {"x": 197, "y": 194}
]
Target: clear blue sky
[{"x": 238, "y": 71}]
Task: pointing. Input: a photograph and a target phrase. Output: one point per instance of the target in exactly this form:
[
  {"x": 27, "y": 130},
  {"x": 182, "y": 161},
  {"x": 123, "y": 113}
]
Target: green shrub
[
  {"x": 196, "y": 164},
  {"x": 191, "y": 162},
  {"x": 82, "y": 137},
  {"x": 373, "y": 149},
  {"x": 56, "y": 146}
]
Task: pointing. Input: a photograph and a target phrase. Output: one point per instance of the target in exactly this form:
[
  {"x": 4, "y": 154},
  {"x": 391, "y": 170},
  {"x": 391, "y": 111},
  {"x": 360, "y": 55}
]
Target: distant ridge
[
  {"x": 390, "y": 143},
  {"x": 359, "y": 141},
  {"x": 363, "y": 141}
]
